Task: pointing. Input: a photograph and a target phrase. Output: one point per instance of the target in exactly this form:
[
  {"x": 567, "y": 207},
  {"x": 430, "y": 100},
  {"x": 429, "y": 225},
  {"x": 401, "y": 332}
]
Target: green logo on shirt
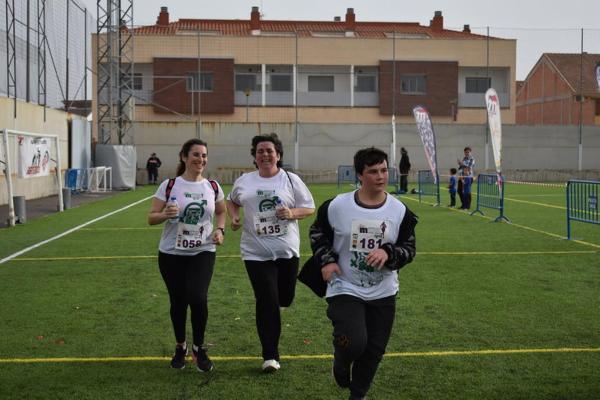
[
  {"x": 194, "y": 212},
  {"x": 267, "y": 204}
]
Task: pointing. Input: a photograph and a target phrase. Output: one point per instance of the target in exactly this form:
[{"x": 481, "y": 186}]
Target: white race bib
[
  {"x": 367, "y": 234},
  {"x": 266, "y": 223},
  {"x": 190, "y": 237}
]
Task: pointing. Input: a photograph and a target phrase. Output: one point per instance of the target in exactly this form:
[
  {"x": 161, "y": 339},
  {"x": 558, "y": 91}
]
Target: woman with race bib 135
[
  {"x": 186, "y": 256},
  {"x": 273, "y": 200}
]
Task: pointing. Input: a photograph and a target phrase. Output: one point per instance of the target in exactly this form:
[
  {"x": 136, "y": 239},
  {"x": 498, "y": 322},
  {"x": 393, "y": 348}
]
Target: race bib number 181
[{"x": 367, "y": 235}]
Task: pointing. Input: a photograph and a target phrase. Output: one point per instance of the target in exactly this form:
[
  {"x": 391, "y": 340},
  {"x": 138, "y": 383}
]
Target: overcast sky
[{"x": 538, "y": 25}]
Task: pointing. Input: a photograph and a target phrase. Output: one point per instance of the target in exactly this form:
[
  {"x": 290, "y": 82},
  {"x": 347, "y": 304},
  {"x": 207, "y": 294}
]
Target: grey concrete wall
[{"x": 531, "y": 153}]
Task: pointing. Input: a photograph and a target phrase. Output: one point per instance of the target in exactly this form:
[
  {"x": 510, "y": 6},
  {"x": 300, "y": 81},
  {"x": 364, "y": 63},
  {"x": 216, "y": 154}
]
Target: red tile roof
[
  {"x": 304, "y": 28},
  {"x": 571, "y": 66}
]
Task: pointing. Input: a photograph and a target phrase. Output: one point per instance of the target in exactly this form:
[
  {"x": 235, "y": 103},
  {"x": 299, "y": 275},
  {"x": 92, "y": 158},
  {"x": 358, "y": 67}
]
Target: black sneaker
[
  {"x": 203, "y": 363},
  {"x": 178, "y": 360},
  {"x": 341, "y": 373}
]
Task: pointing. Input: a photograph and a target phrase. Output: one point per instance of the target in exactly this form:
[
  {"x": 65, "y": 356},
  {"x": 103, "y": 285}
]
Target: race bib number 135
[{"x": 266, "y": 223}]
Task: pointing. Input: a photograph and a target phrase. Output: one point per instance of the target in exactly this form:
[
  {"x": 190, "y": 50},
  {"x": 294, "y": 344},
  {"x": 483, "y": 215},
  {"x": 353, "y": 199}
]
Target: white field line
[{"x": 65, "y": 233}]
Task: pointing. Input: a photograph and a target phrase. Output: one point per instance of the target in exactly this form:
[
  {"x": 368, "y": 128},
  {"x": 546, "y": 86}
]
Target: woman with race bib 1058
[
  {"x": 186, "y": 256},
  {"x": 273, "y": 200}
]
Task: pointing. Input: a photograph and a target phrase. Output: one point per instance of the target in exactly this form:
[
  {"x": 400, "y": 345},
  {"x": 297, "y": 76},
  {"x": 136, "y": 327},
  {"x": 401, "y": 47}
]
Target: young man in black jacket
[{"x": 361, "y": 239}]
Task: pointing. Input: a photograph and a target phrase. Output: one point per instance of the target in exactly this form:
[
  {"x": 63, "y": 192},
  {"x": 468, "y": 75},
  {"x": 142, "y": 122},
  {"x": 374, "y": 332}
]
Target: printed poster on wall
[
  {"x": 425, "y": 129},
  {"x": 34, "y": 156}
]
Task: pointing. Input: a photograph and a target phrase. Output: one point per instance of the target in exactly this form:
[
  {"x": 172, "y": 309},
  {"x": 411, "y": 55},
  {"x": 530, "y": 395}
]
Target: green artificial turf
[{"x": 517, "y": 303}]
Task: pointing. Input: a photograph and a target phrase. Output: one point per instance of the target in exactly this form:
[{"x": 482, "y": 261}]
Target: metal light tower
[
  {"x": 114, "y": 55},
  {"x": 42, "y": 45},
  {"x": 11, "y": 61}
]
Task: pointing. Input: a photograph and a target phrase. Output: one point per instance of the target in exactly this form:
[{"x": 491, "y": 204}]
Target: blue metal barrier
[
  {"x": 582, "y": 202},
  {"x": 394, "y": 178},
  {"x": 429, "y": 185},
  {"x": 346, "y": 174},
  {"x": 76, "y": 179},
  {"x": 490, "y": 194}
]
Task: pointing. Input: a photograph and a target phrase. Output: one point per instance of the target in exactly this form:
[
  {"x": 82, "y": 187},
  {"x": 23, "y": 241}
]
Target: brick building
[
  {"x": 560, "y": 88},
  {"x": 338, "y": 71}
]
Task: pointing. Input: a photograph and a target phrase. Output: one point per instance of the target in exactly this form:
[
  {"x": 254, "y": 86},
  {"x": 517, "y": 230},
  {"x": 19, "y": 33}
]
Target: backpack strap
[
  {"x": 215, "y": 187},
  {"x": 169, "y": 188},
  {"x": 291, "y": 184}
]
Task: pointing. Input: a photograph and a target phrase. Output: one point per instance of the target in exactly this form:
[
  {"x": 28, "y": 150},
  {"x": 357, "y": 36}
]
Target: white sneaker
[{"x": 271, "y": 366}]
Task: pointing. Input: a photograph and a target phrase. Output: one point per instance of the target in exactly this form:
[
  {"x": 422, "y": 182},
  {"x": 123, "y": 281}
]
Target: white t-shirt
[
  {"x": 265, "y": 237},
  {"x": 357, "y": 231},
  {"x": 192, "y": 234}
]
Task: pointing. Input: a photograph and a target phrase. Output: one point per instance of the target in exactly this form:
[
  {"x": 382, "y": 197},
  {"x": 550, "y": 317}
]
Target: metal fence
[
  {"x": 45, "y": 46},
  {"x": 490, "y": 194},
  {"x": 582, "y": 202}
]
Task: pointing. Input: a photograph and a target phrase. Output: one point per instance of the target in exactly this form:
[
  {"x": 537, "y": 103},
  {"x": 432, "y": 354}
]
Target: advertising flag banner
[
  {"x": 34, "y": 156},
  {"x": 493, "y": 109},
  {"x": 425, "y": 129}
]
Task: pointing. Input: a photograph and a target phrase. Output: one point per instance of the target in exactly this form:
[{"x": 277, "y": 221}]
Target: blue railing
[
  {"x": 490, "y": 194},
  {"x": 429, "y": 185},
  {"x": 346, "y": 174},
  {"x": 582, "y": 202}
]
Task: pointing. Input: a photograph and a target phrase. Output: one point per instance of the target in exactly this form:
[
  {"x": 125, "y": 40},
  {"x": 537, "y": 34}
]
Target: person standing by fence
[
  {"x": 152, "y": 166},
  {"x": 467, "y": 182},
  {"x": 273, "y": 201},
  {"x": 452, "y": 182},
  {"x": 467, "y": 161},
  {"x": 404, "y": 169},
  {"x": 186, "y": 255}
]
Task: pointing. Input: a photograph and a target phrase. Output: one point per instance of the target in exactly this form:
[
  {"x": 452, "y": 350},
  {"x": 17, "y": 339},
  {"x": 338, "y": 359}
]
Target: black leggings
[
  {"x": 361, "y": 330},
  {"x": 187, "y": 279},
  {"x": 274, "y": 284}
]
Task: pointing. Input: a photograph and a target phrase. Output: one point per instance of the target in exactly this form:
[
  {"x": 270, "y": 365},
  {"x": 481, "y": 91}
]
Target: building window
[
  {"x": 413, "y": 84},
  {"x": 317, "y": 83},
  {"x": 365, "y": 83},
  {"x": 199, "y": 82},
  {"x": 281, "y": 83},
  {"x": 245, "y": 82},
  {"x": 137, "y": 80},
  {"x": 478, "y": 85}
]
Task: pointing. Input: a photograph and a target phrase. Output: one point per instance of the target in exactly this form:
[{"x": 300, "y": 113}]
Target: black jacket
[
  {"x": 321, "y": 241},
  {"x": 404, "y": 164},
  {"x": 153, "y": 163}
]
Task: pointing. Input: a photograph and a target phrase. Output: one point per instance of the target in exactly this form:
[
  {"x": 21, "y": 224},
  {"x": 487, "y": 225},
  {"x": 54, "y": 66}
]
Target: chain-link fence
[{"x": 50, "y": 71}]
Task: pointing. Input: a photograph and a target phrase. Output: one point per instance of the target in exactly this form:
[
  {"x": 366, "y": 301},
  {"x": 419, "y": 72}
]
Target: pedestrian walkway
[{"x": 37, "y": 208}]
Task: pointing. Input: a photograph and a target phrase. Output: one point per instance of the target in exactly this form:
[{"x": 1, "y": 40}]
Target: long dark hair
[
  {"x": 271, "y": 137},
  {"x": 185, "y": 149}
]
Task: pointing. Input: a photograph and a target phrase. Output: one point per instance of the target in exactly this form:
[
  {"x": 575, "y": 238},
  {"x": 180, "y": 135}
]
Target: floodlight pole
[
  {"x": 296, "y": 133},
  {"x": 393, "y": 144},
  {"x": 247, "y": 93},
  {"x": 489, "y": 81},
  {"x": 580, "y": 147}
]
